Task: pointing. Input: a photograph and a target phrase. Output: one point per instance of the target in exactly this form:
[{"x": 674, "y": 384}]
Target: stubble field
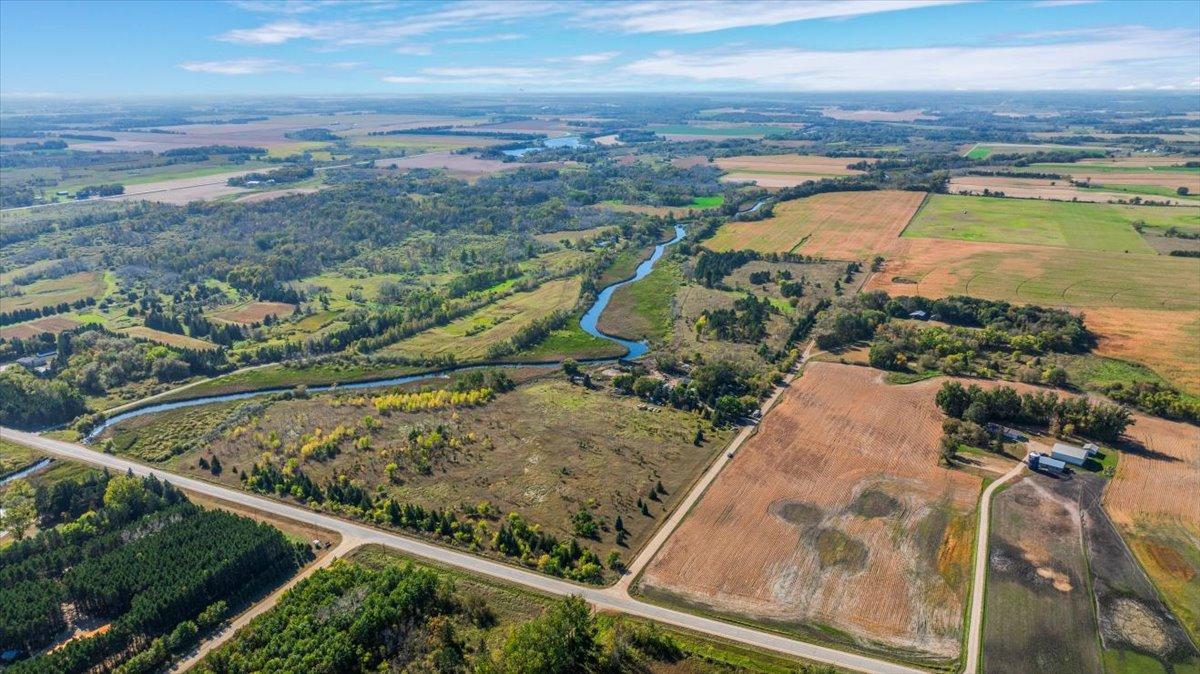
[
  {"x": 836, "y": 225},
  {"x": 835, "y": 521},
  {"x": 784, "y": 170}
]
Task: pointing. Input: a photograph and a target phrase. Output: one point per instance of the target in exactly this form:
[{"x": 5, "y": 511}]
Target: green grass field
[
  {"x": 570, "y": 342},
  {"x": 1081, "y": 226},
  {"x": 707, "y": 202},
  {"x": 642, "y": 310},
  {"x": 983, "y": 150},
  {"x": 1167, "y": 166}
]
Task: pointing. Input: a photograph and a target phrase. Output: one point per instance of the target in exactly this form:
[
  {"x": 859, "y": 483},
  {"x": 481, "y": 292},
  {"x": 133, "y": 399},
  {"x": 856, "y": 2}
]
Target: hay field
[
  {"x": 1103, "y": 227},
  {"x": 51, "y": 324},
  {"x": 838, "y": 225},
  {"x": 469, "y": 337},
  {"x": 50, "y": 292},
  {"x": 835, "y": 521},
  {"x": 783, "y": 170},
  {"x": 255, "y": 312},
  {"x": 168, "y": 338},
  {"x": 1045, "y": 188}
]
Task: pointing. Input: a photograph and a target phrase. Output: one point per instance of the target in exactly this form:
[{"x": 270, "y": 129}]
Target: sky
[{"x": 320, "y": 47}]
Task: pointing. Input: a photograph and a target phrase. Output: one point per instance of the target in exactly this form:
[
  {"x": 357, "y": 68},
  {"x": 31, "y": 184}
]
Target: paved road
[
  {"x": 664, "y": 532},
  {"x": 975, "y": 621},
  {"x": 612, "y": 598}
]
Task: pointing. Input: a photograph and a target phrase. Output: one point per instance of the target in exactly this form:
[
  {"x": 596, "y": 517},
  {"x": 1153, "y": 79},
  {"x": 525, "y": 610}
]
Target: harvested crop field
[
  {"x": 835, "y": 521},
  {"x": 255, "y": 312},
  {"x": 51, "y": 324},
  {"x": 168, "y": 338},
  {"x": 455, "y": 163},
  {"x": 784, "y": 170},
  {"x": 1043, "y": 275},
  {"x": 1152, "y": 502},
  {"x": 1167, "y": 342},
  {"x": 909, "y": 115},
  {"x": 1045, "y": 188},
  {"x": 837, "y": 225}
]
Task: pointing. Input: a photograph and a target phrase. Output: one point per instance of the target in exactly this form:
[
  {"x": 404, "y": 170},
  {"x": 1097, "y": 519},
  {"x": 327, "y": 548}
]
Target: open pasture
[
  {"x": 1083, "y": 227},
  {"x": 469, "y": 337},
  {"x": 835, "y": 521},
  {"x": 838, "y": 225},
  {"x": 985, "y": 150},
  {"x": 51, "y": 292},
  {"x": 255, "y": 312}
]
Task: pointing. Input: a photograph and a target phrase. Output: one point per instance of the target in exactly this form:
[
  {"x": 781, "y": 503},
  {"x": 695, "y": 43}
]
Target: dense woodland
[{"x": 133, "y": 553}]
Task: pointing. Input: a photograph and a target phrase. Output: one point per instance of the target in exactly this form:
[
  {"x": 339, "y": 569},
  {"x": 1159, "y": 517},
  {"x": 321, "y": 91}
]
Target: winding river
[{"x": 587, "y": 323}]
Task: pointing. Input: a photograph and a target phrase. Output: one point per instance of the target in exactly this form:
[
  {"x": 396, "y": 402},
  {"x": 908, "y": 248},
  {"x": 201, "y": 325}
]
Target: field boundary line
[{"x": 911, "y": 218}]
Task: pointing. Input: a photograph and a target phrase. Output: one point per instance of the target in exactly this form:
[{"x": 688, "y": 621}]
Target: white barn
[{"x": 1069, "y": 453}]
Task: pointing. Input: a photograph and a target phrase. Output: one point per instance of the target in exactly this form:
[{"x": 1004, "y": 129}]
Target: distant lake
[{"x": 565, "y": 141}]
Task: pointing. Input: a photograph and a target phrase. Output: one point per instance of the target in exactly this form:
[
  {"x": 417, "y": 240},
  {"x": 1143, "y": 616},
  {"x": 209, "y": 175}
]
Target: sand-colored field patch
[
  {"x": 835, "y": 514},
  {"x": 838, "y": 225},
  {"x": 255, "y": 312},
  {"x": 909, "y": 115},
  {"x": 1045, "y": 188},
  {"x": 1166, "y": 341},
  {"x": 572, "y": 235},
  {"x": 811, "y": 166},
  {"x": 168, "y": 338},
  {"x": 1160, "y": 481},
  {"x": 51, "y": 324}
]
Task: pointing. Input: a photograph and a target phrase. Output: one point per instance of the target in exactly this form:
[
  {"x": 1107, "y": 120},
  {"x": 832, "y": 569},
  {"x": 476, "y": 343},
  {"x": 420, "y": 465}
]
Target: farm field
[
  {"x": 691, "y": 132},
  {"x": 255, "y": 312},
  {"x": 1166, "y": 341},
  {"x": 868, "y": 115},
  {"x": 837, "y": 225},
  {"x": 1064, "y": 593},
  {"x": 545, "y": 450},
  {"x": 1094, "y": 227},
  {"x": 985, "y": 150},
  {"x": 785, "y": 170},
  {"x": 1059, "y": 189},
  {"x": 51, "y": 324},
  {"x": 835, "y": 521},
  {"x": 1150, "y": 502},
  {"x": 168, "y": 338},
  {"x": 469, "y": 338},
  {"x": 50, "y": 292},
  {"x": 572, "y": 235}
]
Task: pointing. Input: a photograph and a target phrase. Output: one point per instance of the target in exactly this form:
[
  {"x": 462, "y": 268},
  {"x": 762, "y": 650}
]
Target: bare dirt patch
[
  {"x": 255, "y": 312},
  {"x": 781, "y": 536}
]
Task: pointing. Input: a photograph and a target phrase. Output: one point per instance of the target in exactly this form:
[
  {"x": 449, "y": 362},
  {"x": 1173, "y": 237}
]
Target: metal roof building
[
  {"x": 1046, "y": 463},
  {"x": 1069, "y": 453}
]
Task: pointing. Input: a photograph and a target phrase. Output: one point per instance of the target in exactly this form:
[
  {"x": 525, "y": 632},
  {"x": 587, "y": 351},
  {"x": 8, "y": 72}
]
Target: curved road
[{"x": 614, "y": 598}]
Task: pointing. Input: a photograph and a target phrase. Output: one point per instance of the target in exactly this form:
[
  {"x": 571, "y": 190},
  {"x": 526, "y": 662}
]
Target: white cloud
[
  {"x": 246, "y": 66},
  {"x": 404, "y": 79},
  {"x": 667, "y": 16},
  {"x": 1131, "y": 56},
  {"x": 1062, "y": 3},
  {"x": 490, "y": 74},
  {"x": 345, "y": 33},
  {"x": 414, "y": 50},
  {"x": 598, "y": 57},
  {"x": 483, "y": 39}
]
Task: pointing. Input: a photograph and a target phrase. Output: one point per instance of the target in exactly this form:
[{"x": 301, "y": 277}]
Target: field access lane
[{"x": 610, "y": 599}]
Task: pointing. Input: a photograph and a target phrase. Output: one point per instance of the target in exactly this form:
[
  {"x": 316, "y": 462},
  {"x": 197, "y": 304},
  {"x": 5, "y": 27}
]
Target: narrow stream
[
  {"x": 24, "y": 472},
  {"x": 587, "y": 323}
]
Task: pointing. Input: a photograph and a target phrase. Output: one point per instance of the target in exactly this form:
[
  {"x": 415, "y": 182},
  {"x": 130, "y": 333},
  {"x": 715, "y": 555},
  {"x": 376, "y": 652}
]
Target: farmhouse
[{"x": 1069, "y": 453}]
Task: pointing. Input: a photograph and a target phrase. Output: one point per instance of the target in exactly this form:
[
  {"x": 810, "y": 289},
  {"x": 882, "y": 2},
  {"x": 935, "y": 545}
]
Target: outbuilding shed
[{"x": 1069, "y": 453}]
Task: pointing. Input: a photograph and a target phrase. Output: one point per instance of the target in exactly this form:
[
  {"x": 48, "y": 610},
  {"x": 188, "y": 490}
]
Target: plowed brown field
[
  {"x": 51, "y": 324},
  {"x": 836, "y": 514},
  {"x": 837, "y": 225}
]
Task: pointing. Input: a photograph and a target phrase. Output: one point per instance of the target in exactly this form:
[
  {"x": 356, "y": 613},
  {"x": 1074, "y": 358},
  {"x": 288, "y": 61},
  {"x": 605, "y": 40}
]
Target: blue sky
[{"x": 316, "y": 47}]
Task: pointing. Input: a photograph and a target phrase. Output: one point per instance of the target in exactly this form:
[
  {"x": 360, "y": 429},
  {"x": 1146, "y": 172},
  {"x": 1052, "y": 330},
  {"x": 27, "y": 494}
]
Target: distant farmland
[
  {"x": 784, "y": 170},
  {"x": 835, "y": 521},
  {"x": 838, "y": 225}
]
